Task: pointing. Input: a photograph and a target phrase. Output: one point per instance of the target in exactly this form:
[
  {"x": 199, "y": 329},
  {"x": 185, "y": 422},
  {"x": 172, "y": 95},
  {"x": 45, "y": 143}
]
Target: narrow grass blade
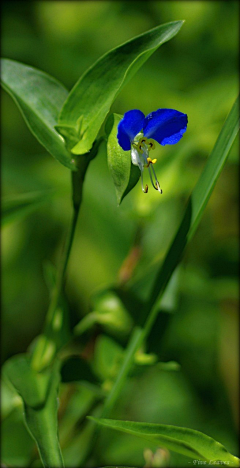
[{"x": 195, "y": 207}]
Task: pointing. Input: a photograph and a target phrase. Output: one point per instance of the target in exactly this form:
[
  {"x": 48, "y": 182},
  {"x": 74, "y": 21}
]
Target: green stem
[
  {"x": 42, "y": 352},
  {"x": 46, "y": 346},
  {"x": 134, "y": 343},
  {"x": 62, "y": 271}
]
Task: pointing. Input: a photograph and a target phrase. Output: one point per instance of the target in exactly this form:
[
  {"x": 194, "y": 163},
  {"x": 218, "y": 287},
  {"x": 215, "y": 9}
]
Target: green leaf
[
  {"x": 92, "y": 96},
  {"x": 39, "y": 98},
  {"x": 18, "y": 206},
  {"x": 31, "y": 386},
  {"x": 39, "y": 394},
  {"x": 125, "y": 175},
  {"x": 182, "y": 440}
]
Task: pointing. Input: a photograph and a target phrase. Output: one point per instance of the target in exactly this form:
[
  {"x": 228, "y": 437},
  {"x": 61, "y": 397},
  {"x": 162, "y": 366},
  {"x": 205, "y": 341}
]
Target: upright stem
[
  {"x": 46, "y": 348},
  {"x": 62, "y": 271},
  {"x": 135, "y": 342}
]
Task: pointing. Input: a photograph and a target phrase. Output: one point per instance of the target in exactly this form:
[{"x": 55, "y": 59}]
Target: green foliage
[
  {"x": 117, "y": 353},
  {"x": 90, "y": 99},
  {"x": 188, "y": 442},
  {"x": 39, "y": 98}
]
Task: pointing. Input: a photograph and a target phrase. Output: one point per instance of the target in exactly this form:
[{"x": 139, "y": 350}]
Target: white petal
[{"x": 137, "y": 159}]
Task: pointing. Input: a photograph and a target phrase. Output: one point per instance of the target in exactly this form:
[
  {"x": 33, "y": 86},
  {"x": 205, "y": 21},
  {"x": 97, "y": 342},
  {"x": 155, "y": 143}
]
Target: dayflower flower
[{"x": 137, "y": 133}]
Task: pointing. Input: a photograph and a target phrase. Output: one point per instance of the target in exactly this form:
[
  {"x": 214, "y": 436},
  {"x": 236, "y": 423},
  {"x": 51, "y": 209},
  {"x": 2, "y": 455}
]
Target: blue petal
[
  {"x": 130, "y": 125},
  {"x": 166, "y": 126}
]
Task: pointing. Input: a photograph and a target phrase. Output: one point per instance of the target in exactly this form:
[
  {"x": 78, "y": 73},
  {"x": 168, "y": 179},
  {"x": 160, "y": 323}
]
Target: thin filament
[
  {"x": 145, "y": 190},
  {"x": 157, "y": 187},
  {"x": 146, "y": 161}
]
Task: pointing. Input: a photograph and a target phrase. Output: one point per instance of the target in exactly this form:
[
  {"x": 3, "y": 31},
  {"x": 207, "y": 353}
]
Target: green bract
[{"x": 124, "y": 174}]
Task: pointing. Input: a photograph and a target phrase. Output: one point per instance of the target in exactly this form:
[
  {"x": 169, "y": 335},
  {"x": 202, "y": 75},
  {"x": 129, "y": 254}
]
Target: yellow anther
[
  {"x": 151, "y": 161},
  {"x": 143, "y": 140}
]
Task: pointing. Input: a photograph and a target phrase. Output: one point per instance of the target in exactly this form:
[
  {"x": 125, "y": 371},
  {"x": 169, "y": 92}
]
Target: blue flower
[{"x": 137, "y": 133}]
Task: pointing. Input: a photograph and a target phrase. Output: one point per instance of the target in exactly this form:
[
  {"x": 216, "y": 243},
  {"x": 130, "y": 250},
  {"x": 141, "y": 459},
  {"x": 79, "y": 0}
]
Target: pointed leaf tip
[{"x": 185, "y": 441}]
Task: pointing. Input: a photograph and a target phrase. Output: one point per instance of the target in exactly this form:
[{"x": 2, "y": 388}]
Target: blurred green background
[{"x": 195, "y": 73}]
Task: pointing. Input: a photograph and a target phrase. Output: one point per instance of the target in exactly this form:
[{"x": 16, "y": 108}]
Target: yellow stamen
[{"x": 150, "y": 161}]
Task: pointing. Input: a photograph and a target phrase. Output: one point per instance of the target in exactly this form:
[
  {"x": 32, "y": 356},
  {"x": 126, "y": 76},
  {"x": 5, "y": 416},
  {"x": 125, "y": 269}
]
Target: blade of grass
[
  {"x": 195, "y": 208},
  {"x": 188, "y": 442}
]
